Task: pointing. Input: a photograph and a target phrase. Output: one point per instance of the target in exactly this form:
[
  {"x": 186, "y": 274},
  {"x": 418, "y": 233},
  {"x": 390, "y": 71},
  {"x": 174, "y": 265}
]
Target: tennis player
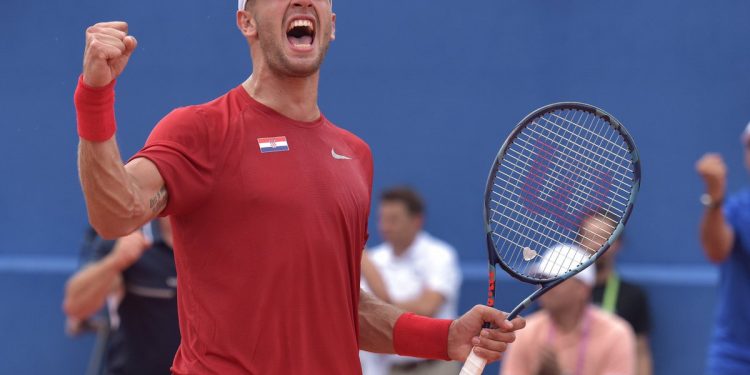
[
  {"x": 725, "y": 236},
  {"x": 269, "y": 204}
]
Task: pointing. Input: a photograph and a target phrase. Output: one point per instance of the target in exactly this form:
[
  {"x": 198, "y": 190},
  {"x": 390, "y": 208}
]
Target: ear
[
  {"x": 246, "y": 23},
  {"x": 333, "y": 26}
]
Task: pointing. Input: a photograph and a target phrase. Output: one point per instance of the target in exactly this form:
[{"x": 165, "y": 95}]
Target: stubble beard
[{"x": 281, "y": 65}]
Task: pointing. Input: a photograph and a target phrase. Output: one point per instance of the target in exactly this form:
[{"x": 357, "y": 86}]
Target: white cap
[{"x": 561, "y": 258}]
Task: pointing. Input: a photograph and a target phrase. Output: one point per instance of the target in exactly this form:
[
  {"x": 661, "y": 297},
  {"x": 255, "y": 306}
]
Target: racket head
[{"x": 564, "y": 164}]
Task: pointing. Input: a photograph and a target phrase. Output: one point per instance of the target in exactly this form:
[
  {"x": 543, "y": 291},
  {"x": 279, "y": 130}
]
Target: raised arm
[
  {"x": 119, "y": 198},
  {"x": 716, "y": 234}
]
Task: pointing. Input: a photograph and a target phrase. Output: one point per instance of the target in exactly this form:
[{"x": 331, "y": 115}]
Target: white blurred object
[
  {"x": 148, "y": 232},
  {"x": 561, "y": 258}
]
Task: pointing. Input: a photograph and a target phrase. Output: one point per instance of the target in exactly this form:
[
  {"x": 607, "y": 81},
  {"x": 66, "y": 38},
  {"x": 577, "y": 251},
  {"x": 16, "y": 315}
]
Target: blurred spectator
[
  {"x": 570, "y": 335},
  {"x": 419, "y": 274},
  {"x": 135, "y": 277},
  {"x": 615, "y": 295},
  {"x": 725, "y": 235}
]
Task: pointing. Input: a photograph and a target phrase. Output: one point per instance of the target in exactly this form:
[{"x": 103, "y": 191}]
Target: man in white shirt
[{"x": 419, "y": 273}]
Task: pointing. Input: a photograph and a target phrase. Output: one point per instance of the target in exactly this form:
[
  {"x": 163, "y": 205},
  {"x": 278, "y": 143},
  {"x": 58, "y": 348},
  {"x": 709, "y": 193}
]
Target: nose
[{"x": 302, "y": 3}]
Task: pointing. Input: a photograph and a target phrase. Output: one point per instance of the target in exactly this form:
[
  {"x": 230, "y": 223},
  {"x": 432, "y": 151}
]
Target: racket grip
[{"x": 474, "y": 365}]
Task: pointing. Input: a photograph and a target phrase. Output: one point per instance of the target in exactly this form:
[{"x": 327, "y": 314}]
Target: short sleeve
[
  {"x": 185, "y": 150},
  {"x": 731, "y": 212}
]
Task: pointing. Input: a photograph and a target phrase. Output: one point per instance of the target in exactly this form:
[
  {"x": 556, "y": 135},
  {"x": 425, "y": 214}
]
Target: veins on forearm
[{"x": 159, "y": 200}]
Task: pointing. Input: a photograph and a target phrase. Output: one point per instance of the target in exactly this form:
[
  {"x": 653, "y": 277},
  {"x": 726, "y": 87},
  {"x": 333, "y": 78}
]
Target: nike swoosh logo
[{"x": 339, "y": 157}]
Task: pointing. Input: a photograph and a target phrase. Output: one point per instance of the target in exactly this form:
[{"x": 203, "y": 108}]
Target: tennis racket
[{"x": 560, "y": 165}]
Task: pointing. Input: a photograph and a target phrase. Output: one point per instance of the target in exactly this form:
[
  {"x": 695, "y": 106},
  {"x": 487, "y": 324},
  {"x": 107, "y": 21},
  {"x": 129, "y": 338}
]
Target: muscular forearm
[
  {"x": 716, "y": 235},
  {"x": 87, "y": 290},
  {"x": 376, "y": 321},
  {"x": 117, "y": 197}
]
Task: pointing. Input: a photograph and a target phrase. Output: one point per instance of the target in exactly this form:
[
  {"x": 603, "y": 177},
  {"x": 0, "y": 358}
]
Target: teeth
[{"x": 301, "y": 23}]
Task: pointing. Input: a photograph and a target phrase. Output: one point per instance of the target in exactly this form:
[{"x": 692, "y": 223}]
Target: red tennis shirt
[{"x": 270, "y": 219}]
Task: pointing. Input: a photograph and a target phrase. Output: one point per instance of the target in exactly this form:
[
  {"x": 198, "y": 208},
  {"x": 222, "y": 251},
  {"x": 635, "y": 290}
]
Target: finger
[
  {"x": 119, "y": 34},
  {"x": 104, "y": 51},
  {"x": 496, "y": 342},
  {"x": 518, "y": 323},
  {"x": 111, "y": 40},
  {"x": 498, "y": 335},
  {"x": 130, "y": 44},
  {"x": 494, "y": 316},
  {"x": 119, "y": 25},
  {"x": 489, "y": 355}
]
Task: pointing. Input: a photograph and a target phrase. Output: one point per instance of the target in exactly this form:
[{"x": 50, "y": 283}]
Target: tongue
[{"x": 300, "y": 40}]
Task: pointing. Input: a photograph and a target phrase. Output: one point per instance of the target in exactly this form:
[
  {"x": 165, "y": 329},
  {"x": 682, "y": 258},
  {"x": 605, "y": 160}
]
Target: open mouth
[{"x": 301, "y": 33}]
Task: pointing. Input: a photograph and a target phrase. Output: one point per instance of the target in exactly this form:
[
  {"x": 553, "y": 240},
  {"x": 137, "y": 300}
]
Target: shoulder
[
  {"x": 738, "y": 199},
  {"x": 195, "y": 123},
  {"x": 611, "y": 325},
  {"x": 359, "y": 146},
  {"x": 380, "y": 252},
  {"x": 435, "y": 246},
  {"x": 537, "y": 323}
]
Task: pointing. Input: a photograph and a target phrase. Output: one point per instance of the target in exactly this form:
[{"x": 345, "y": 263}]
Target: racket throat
[{"x": 528, "y": 301}]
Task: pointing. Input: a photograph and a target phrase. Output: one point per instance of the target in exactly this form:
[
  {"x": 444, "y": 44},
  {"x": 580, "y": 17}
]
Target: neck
[
  {"x": 400, "y": 249},
  {"x": 293, "y": 97},
  {"x": 567, "y": 320}
]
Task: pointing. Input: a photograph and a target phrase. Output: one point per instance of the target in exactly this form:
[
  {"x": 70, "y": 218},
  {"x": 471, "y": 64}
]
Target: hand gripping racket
[{"x": 560, "y": 165}]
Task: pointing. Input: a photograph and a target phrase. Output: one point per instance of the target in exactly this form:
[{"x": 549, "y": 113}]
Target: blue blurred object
[{"x": 432, "y": 86}]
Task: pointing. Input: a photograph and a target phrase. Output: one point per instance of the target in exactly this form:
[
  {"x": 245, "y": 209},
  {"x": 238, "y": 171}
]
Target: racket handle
[{"x": 474, "y": 365}]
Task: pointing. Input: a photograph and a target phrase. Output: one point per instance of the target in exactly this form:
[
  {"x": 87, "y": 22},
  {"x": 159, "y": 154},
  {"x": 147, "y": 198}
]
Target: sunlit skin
[{"x": 398, "y": 226}]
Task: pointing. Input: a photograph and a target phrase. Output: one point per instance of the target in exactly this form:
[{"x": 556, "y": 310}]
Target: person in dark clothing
[{"x": 135, "y": 278}]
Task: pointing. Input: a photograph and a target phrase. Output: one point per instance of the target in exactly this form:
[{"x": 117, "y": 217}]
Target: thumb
[{"x": 130, "y": 44}]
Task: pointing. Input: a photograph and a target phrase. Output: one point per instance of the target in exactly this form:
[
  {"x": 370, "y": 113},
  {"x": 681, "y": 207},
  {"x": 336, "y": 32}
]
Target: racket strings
[
  {"x": 526, "y": 149},
  {"x": 559, "y": 181},
  {"x": 575, "y": 158},
  {"x": 559, "y": 168}
]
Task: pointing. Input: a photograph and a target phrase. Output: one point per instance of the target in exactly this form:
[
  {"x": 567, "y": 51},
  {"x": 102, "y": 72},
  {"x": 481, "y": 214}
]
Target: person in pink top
[{"x": 570, "y": 336}]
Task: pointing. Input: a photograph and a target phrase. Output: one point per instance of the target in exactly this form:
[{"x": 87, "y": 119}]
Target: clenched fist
[
  {"x": 108, "y": 48},
  {"x": 712, "y": 169}
]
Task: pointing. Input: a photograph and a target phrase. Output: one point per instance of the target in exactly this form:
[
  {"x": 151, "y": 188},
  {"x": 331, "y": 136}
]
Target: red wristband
[
  {"x": 419, "y": 336},
  {"x": 95, "y": 111}
]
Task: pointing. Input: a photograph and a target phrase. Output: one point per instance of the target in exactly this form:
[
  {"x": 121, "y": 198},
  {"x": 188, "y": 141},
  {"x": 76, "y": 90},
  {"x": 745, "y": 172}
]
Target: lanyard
[
  {"x": 583, "y": 344},
  {"x": 611, "y": 292}
]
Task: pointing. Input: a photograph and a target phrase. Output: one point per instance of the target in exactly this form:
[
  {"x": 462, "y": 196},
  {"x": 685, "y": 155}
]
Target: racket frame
[{"x": 495, "y": 259}]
